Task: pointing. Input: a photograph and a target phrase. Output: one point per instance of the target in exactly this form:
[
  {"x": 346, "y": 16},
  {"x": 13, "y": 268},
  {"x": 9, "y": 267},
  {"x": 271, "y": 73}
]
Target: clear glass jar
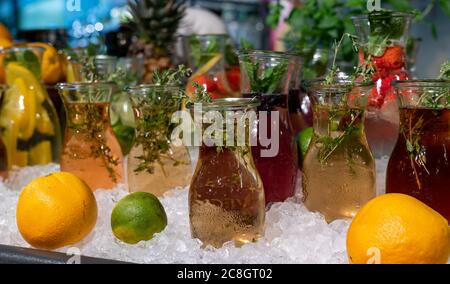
[
  {"x": 226, "y": 195},
  {"x": 338, "y": 169},
  {"x": 274, "y": 76},
  {"x": 382, "y": 38},
  {"x": 419, "y": 165},
  {"x": 91, "y": 150},
  {"x": 155, "y": 165},
  {"x": 31, "y": 129},
  {"x": 206, "y": 57}
]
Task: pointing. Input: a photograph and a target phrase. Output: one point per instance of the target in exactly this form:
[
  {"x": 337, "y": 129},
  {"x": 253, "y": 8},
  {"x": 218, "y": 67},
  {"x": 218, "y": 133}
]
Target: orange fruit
[
  {"x": 55, "y": 211},
  {"x": 4, "y": 33},
  {"x": 51, "y": 66},
  {"x": 398, "y": 229}
]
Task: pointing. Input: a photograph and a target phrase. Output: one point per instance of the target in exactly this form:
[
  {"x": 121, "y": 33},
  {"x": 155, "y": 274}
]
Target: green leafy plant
[{"x": 316, "y": 24}]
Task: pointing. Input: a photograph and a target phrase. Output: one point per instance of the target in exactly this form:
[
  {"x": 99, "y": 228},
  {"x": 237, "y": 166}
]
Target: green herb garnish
[
  {"x": 27, "y": 59},
  {"x": 154, "y": 126},
  {"x": 383, "y": 23},
  {"x": 444, "y": 72},
  {"x": 267, "y": 81},
  {"x": 200, "y": 54}
]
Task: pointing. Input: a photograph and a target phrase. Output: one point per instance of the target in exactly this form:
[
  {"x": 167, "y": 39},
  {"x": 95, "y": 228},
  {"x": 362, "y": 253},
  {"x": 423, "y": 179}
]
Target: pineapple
[{"x": 156, "y": 23}]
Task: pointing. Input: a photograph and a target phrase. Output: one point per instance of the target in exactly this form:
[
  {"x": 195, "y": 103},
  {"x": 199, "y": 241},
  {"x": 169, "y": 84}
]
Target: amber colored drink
[
  {"x": 91, "y": 150},
  {"x": 423, "y": 174},
  {"x": 226, "y": 198}
]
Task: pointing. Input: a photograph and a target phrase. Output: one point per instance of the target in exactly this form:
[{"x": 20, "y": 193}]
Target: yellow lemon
[
  {"x": 397, "y": 228},
  {"x": 51, "y": 66},
  {"x": 55, "y": 211}
]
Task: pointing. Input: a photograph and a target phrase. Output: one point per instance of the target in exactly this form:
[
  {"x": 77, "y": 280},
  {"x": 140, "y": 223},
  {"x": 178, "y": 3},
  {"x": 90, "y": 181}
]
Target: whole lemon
[
  {"x": 137, "y": 217},
  {"x": 397, "y": 228},
  {"x": 55, "y": 211}
]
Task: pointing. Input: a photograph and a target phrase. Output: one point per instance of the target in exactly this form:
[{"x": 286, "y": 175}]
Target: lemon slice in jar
[
  {"x": 14, "y": 70},
  {"x": 208, "y": 66},
  {"x": 20, "y": 106}
]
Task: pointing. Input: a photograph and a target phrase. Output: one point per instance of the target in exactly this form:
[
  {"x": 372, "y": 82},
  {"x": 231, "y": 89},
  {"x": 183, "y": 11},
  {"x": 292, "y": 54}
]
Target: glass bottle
[
  {"x": 206, "y": 57},
  {"x": 226, "y": 196},
  {"x": 382, "y": 38},
  {"x": 90, "y": 150},
  {"x": 338, "y": 169},
  {"x": 155, "y": 165},
  {"x": 31, "y": 129},
  {"x": 267, "y": 76},
  {"x": 419, "y": 165}
]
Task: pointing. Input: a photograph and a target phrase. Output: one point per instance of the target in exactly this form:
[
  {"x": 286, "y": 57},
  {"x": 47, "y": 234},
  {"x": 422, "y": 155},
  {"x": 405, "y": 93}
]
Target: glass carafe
[
  {"x": 382, "y": 38},
  {"x": 90, "y": 150},
  {"x": 121, "y": 112},
  {"x": 268, "y": 77},
  {"x": 207, "y": 60},
  {"x": 338, "y": 169},
  {"x": 226, "y": 196},
  {"x": 31, "y": 129},
  {"x": 419, "y": 165},
  {"x": 155, "y": 165}
]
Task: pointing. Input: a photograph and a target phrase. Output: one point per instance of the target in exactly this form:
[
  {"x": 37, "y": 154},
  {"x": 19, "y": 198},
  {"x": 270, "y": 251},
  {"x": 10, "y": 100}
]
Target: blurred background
[{"x": 80, "y": 22}]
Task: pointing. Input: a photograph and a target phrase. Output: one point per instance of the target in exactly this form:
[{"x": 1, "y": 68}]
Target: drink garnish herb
[
  {"x": 25, "y": 58},
  {"x": 154, "y": 125},
  {"x": 202, "y": 54},
  {"x": 342, "y": 119},
  {"x": 385, "y": 22},
  {"x": 444, "y": 73},
  {"x": 267, "y": 81}
]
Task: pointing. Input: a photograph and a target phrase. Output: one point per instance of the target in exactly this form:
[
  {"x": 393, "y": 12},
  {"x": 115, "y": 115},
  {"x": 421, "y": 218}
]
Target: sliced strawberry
[
  {"x": 375, "y": 100},
  {"x": 204, "y": 81},
  {"x": 234, "y": 78},
  {"x": 393, "y": 58}
]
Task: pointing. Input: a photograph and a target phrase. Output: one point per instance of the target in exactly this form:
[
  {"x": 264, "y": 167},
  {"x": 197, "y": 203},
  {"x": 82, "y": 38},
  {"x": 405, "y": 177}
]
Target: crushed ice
[{"x": 292, "y": 234}]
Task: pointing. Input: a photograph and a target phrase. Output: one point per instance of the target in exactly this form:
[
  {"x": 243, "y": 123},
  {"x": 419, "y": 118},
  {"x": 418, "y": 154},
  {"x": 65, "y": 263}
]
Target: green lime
[
  {"x": 137, "y": 217},
  {"x": 303, "y": 139}
]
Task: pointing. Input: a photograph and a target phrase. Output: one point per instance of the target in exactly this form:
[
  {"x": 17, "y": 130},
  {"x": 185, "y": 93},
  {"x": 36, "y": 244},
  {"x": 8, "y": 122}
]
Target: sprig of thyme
[
  {"x": 154, "y": 126},
  {"x": 171, "y": 77},
  {"x": 331, "y": 76},
  {"x": 444, "y": 72}
]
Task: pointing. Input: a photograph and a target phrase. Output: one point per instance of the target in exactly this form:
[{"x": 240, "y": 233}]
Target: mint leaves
[{"x": 27, "y": 59}]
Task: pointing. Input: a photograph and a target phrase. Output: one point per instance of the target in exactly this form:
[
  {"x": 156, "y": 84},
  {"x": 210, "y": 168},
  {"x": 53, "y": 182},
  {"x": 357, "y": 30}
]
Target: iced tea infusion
[
  {"x": 338, "y": 183},
  {"x": 278, "y": 173},
  {"x": 91, "y": 150},
  {"x": 420, "y": 163}
]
